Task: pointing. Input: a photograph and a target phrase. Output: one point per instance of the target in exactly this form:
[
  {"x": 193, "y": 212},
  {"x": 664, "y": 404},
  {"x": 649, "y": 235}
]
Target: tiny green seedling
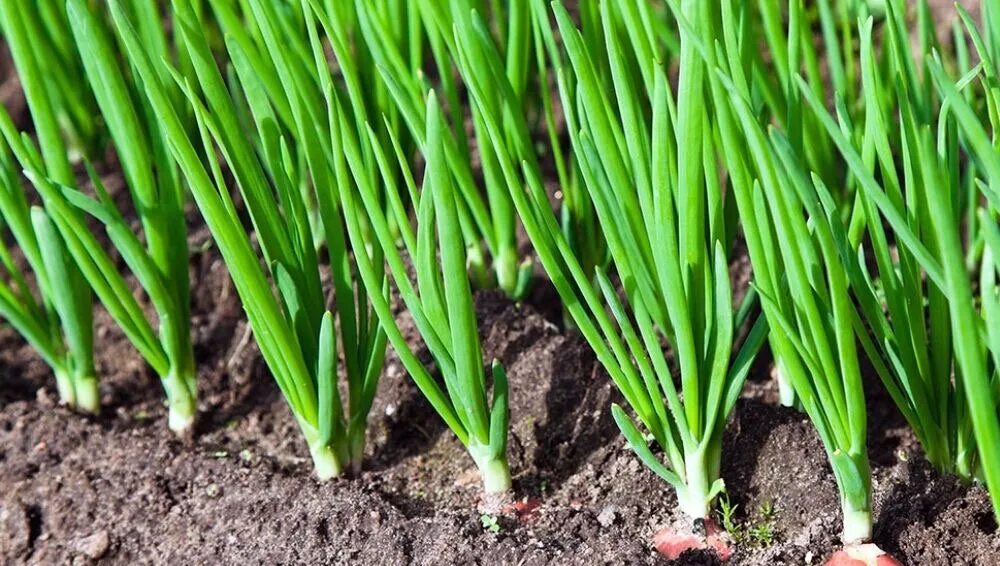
[
  {"x": 727, "y": 513},
  {"x": 762, "y": 533},
  {"x": 759, "y": 531},
  {"x": 490, "y": 523}
]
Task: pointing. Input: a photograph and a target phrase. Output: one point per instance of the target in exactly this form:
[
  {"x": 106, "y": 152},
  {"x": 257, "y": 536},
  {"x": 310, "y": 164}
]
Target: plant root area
[{"x": 121, "y": 489}]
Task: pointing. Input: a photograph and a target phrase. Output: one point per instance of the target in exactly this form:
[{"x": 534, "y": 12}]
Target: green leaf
[
  {"x": 499, "y": 413},
  {"x": 638, "y": 444}
]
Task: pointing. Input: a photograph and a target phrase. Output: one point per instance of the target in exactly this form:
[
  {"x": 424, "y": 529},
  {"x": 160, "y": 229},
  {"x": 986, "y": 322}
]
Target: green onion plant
[
  {"x": 651, "y": 172},
  {"x": 486, "y": 220},
  {"x": 803, "y": 286},
  {"x": 975, "y": 334},
  {"x": 280, "y": 286},
  {"x": 670, "y": 226},
  {"x": 804, "y": 290},
  {"x": 441, "y": 301},
  {"x": 902, "y": 304},
  {"x": 829, "y": 66},
  {"x": 161, "y": 265},
  {"x": 907, "y": 303},
  {"x": 376, "y": 178},
  {"x": 947, "y": 390},
  {"x": 59, "y": 325}
]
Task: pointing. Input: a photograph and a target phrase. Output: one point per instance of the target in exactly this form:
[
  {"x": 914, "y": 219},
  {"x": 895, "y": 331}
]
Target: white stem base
[
  {"x": 181, "y": 405},
  {"x": 494, "y": 471},
  {"x": 325, "y": 462},
  {"x": 496, "y": 476},
  {"x": 786, "y": 393},
  {"x": 64, "y": 386},
  {"x": 507, "y": 272},
  {"x": 857, "y": 526},
  {"x": 696, "y": 498},
  {"x": 80, "y": 393},
  {"x": 693, "y": 505},
  {"x": 180, "y": 421},
  {"x": 88, "y": 395}
]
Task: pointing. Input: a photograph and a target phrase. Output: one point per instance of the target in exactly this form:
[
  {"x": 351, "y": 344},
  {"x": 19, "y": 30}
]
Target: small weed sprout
[{"x": 490, "y": 523}]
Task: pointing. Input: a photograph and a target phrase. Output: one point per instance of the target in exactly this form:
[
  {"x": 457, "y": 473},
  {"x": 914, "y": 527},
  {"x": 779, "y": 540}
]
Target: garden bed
[{"x": 122, "y": 489}]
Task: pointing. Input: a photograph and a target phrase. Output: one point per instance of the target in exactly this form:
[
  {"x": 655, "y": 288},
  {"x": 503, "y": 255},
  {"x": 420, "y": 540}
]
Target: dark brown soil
[{"x": 120, "y": 489}]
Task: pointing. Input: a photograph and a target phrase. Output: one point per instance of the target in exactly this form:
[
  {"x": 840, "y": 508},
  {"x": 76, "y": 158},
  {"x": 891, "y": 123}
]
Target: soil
[{"x": 121, "y": 489}]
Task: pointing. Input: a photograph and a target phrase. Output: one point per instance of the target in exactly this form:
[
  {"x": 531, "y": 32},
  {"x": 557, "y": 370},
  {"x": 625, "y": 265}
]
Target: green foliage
[
  {"x": 441, "y": 301},
  {"x": 280, "y": 287},
  {"x": 161, "y": 265},
  {"x": 60, "y": 325},
  {"x": 578, "y": 218},
  {"x": 682, "y": 292},
  {"x": 44, "y": 33},
  {"x": 946, "y": 391},
  {"x": 375, "y": 179},
  {"x": 486, "y": 220},
  {"x": 872, "y": 225},
  {"x": 797, "y": 272}
]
